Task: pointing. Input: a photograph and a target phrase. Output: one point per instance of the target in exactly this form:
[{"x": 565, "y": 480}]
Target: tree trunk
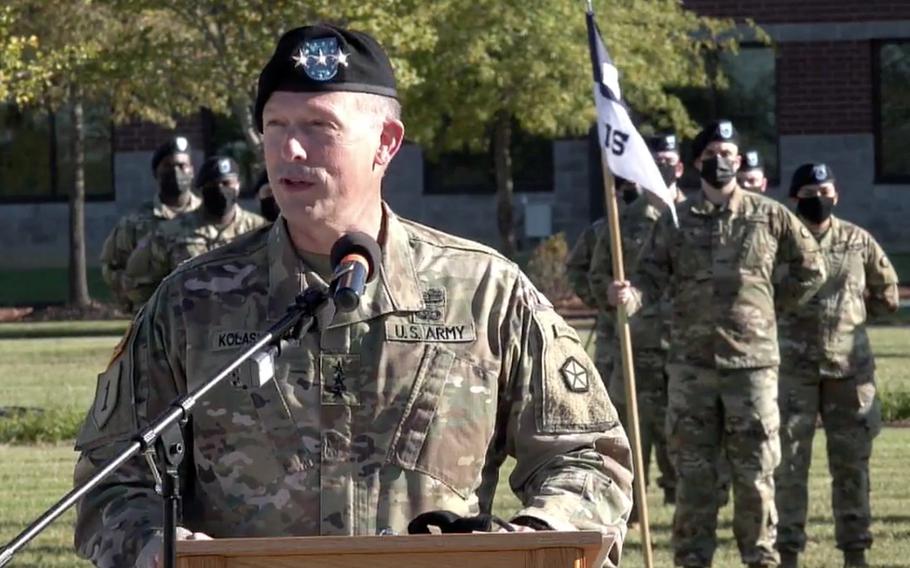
[
  {"x": 78, "y": 280},
  {"x": 243, "y": 111},
  {"x": 502, "y": 157}
]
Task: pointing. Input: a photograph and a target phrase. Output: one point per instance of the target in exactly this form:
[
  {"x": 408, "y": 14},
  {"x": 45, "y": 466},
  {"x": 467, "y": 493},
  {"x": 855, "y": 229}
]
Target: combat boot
[
  {"x": 855, "y": 559},
  {"x": 789, "y": 559}
]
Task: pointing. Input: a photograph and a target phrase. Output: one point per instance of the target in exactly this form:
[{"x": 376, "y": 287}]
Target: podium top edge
[{"x": 313, "y": 545}]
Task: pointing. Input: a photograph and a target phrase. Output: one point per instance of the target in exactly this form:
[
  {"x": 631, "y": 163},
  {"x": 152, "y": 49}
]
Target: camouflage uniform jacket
[
  {"x": 126, "y": 236},
  {"x": 578, "y": 264},
  {"x": 648, "y": 327},
  {"x": 176, "y": 241},
  {"x": 827, "y": 336},
  {"x": 718, "y": 265},
  {"x": 411, "y": 403}
]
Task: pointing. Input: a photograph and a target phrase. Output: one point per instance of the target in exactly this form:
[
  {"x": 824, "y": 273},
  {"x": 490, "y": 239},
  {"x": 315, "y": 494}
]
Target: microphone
[{"x": 355, "y": 261}]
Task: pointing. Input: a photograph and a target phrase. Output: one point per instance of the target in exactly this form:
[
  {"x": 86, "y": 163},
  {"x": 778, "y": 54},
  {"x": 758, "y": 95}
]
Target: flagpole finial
[{"x": 590, "y": 7}]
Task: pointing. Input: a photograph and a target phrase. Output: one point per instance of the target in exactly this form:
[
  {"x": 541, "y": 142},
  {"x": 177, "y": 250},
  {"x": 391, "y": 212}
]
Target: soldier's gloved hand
[
  {"x": 619, "y": 292},
  {"x": 449, "y": 522}
]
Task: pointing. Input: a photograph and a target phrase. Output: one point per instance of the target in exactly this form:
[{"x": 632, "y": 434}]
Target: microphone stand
[{"x": 164, "y": 436}]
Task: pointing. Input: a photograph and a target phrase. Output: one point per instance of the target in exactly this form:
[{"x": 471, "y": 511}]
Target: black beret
[
  {"x": 815, "y": 173},
  {"x": 325, "y": 58},
  {"x": 216, "y": 168},
  {"x": 663, "y": 143},
  {"x": 176, "y": 145},
  {"x": 717, "y": 131},
  {"x": 751, "y": 161}
]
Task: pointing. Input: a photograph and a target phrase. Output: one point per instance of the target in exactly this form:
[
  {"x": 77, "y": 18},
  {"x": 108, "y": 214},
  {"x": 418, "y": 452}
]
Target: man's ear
[{"x": 390, "y": 140}]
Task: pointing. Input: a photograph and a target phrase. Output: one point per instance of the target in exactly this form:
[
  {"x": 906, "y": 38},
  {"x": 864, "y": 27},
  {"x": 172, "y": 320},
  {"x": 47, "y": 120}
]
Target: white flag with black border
[{"x": 627, "y": 154}]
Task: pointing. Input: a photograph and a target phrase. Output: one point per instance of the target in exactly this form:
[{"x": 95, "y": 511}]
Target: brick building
[{"x": 834, "y": 85}]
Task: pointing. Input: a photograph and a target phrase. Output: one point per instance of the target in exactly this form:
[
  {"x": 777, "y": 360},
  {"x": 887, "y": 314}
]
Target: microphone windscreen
[{"x": 360, "y": 244}]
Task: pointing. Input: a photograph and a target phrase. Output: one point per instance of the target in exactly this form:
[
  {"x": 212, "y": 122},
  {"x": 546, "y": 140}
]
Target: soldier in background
[
  {"x": 173, "y": 171},
  {"x": 650, "y": 327},
  {"x": 452, "y": 363},
  {"x": 578, "y": 272},
  {"x": 268, "y": 207},
  {"x": 827, "y": 369},
  {"x": 717, "y": 265},
  {"x": 219, "y": 221},
  {"x": 751, "y": 174}
]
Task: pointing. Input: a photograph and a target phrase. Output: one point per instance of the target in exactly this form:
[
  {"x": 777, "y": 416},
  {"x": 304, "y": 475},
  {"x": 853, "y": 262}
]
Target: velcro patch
[{"x": 429, "y": 332}]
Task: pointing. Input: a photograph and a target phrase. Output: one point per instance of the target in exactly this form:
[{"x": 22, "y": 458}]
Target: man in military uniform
[
  {"x": 173, "y": 171},
  {"x": 411, "y": 403},
  {"x": 717, "y": 265},
  {"x": 219, "y": 221},
  {"x": 650, "y": 326},
  {"x": 827, "y": 368},
  {"x": 751, "y": 174},
  {"x": 578, "y": 272}
]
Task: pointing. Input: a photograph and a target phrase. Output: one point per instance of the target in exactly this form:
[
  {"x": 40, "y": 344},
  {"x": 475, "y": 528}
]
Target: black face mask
[
  {"x": 717, "y": 171},
  {"x": 218, "y": 200},
  {"x": 816, "y": 210},
  {"x": 667, "y": 172},
  {"x": 629, "y": 194},
  {"x": 269, "y": 208},
  {"x": 173, "y": 184}
]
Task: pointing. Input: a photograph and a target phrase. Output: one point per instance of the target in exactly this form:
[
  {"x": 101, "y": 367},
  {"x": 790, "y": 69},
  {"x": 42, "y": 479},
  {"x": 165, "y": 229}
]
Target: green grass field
[{"x": 51, "y": 373}]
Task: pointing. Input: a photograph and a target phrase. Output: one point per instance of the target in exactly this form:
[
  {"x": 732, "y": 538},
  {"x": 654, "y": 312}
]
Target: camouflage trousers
[
  {"x": 711, "y": 413},
  {"x": 651, "y": 388},
  {"x": 603, "y": 337},
  {"x": 851, "y": 415}
]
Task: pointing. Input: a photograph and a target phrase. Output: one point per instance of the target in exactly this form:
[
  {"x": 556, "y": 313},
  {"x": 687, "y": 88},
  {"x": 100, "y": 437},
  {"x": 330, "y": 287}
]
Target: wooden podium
[{"x": 549, "y": 549}]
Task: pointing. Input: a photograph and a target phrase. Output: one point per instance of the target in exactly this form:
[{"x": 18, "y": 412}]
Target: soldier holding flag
[{"x": 717, "y": 265}]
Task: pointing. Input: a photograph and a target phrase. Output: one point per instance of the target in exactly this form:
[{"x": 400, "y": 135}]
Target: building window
[
  {"x": 473, "y": 172},
  {"x": 892, "y": 109},
  {"x": 747, "y": 97},
  {"x": 36, "y": 159}
]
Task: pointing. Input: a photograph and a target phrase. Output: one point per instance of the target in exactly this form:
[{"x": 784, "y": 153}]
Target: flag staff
[{"x": 622, "y": 320}]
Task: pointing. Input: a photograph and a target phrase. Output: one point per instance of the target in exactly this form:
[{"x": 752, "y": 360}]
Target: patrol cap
[
  {"x": 751, "y": 161},
  {"x": 322, "y": 58},
  {"x": 717, "y": 131},
  {"x": 216, "y": 168},
  {"x": 176, "y": 145},
  {"x": 813, "y": 173},
  {"x": 663, "y": 143}
]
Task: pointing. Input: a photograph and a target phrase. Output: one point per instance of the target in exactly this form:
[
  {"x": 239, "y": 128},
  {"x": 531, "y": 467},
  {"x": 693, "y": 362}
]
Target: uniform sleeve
[
  {"x": 114, "y": 255},
  {"x": 799, "y": 251},
  {"x": 601, "y": 273},
  {"x": 118, "y": 519},
  {"x": 654, "y": 265},
  {"x": 881, "y": 280},
  {"x": 146, "y": 268},
  {"x": 573, "y": 463},
  {"x": 578, "y": 265}
]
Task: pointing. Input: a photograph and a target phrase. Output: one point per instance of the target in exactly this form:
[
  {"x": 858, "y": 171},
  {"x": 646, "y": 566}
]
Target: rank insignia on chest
[
  {"x": 575, "y": 375},
  {"x": 341, "y": 378}
]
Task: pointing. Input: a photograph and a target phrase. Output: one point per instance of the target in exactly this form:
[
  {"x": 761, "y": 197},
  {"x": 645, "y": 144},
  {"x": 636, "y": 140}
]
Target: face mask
[
  {"x": 629, "y": 194},
  {"x": 667, "y": 172},
  {"x": 717, "y": 171},
  {"x": 816, "y": 210},
  {"x": 218, "y": 200},
  {"x": 269, "y": 208},
  {"x": 174, "y": 183}
]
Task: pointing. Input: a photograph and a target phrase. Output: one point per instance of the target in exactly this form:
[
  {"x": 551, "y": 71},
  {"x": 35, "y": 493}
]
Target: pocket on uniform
[
  {"x": 448, "y": 421},
  {"x": 870, "y": 407}
]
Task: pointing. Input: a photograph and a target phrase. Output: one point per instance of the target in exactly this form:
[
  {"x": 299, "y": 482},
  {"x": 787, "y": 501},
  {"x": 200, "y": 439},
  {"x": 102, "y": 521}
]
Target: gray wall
[{"x": 36, "y": 235}]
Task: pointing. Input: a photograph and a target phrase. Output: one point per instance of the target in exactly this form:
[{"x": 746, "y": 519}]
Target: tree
[
  {"x": 501, "y": 63},
  {"x": 68, "y": 52},
  {"x": 225, "y": 43}
]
